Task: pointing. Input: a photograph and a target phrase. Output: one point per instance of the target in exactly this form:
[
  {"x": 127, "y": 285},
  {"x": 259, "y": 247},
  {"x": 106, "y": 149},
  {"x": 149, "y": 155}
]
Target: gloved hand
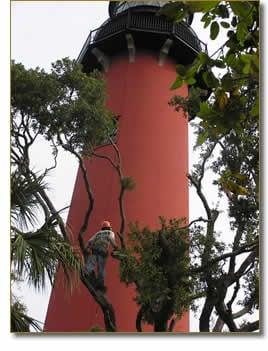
[{"x": 114, "y": 253}]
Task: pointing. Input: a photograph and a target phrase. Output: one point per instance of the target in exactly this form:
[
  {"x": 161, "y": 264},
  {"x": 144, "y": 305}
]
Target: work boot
[{"x": 100, "y": 286}]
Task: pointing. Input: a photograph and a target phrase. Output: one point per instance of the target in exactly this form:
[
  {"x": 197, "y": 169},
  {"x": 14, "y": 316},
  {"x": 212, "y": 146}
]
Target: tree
[
  {"x": 157, "y": 262},
  {"x": 227, "y": 127},
  {"x": 67, "y": 108}
]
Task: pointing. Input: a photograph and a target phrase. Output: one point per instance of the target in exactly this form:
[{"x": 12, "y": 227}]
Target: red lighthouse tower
[{"x": 138, "y": 51}]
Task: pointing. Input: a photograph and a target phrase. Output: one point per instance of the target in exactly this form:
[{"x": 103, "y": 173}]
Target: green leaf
[
  {"x": 207, "y": 23},
  {"x": 210, "y": 80},
  {"x": 246, "y": 68},
  {"x": 240, "y": 8},
  {"x": 230, "y": 58},
  {"x": 174, "y": 10},
  {"x": 181, "y": 70},
  {"x": 204, "y": 110},
  {"x": 191, "y": 81},
  {"x": 255, "y": 109},
  {"x": 246, "y": 58},
  {"x": 202, "y": 6},
  {"x": 242, "y": 31},
  {"x": 234, "y": 21},
  {"x": 206, "y": 19},
  {"x": 203, "y": 58},
  {"x": 222, "y": 11},
  {"x": 177, "y": 84},
  {"x": 227, "y": 82},
  {"x": 214, "y": 30},
  {"x": 219, "y": 63},
  {"x": 202, "y": 137},
  {"x": 225, "y": 24}
]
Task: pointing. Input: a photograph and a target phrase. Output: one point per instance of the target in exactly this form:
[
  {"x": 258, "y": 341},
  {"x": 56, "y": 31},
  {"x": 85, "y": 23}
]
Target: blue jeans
[{"x": 100, "y": 261}]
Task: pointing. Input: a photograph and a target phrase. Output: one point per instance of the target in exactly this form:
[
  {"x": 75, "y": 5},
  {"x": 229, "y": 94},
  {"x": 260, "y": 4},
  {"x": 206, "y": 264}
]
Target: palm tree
[{"x": 35, "y": 253}]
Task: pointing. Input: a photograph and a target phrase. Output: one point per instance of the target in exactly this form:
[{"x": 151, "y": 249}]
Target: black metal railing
[{"x": 147, "y": 22}]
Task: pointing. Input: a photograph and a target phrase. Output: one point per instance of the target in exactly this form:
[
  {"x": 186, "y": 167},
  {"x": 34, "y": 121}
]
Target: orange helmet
[{"x": 106, "y": 224}]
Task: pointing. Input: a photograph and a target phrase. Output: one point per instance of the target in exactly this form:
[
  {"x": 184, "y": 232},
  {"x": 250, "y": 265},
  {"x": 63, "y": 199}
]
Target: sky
[{"x": 42, "y": 32}]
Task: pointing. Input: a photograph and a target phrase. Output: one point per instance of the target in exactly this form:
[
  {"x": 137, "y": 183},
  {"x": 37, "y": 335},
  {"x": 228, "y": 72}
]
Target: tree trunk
[
  {"x": 160, "y": 325},
  {"x": 205, "y": 315}
]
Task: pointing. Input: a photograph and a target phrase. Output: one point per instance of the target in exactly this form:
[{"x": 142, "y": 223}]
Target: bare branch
[
  {"x": 250, "y": 327},
  {"x": 242, "y": 312},
  {"x": 43, "y": 205},
  {"x": 243, "y": 249},
  {"x": 54, "y": 212},
  {"x": 235, "y": 292},
  {"x": 84, "y": 226},
  {"x": 118, "y": 169},
  {"x": 201, "y": 195},
  {"x": 200, "y": 219},
  {"x": 245, "y": 265},
  {"x": 218, "y": 325},
  {"x": 139, "y": 320},
  {"x": 172, "y": 324},
  {"x": 106, "y": 158},
  {"x": 235, "y": 246},
  {"x": 103, "y": 302},
  {"x": 55, "y": 159},
  {"x": 89, "y": 192},
  {"x": 117, "y": 151},
  {"x": 226, "y": 316},
  {"x": 122, "y": 192}
]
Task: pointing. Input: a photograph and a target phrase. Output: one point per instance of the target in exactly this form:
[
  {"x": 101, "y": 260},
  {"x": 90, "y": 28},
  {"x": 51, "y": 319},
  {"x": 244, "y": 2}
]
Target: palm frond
[
  {"x": 38, "y": 254},
  {"x": 20, "y": 321},
  {"x": 23, "y": 201}
]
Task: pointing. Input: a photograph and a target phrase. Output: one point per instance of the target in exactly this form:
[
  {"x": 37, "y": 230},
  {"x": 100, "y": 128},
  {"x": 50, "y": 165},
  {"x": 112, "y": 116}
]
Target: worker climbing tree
[{"x": 98, "y": 247}]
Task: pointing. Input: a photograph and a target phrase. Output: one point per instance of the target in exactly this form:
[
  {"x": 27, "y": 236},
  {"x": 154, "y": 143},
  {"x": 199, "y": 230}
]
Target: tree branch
[
  {"x": 205, "y": 314},
  {"x": 139, "y": 320},
  {"x": 226, "y": 316},
  {"x": 243, "y": 249},
  {"x": 103, "y": 302},
  {"x": 247, "y": 262},
  {"x": 105, "y": 158},
  {"x": 250, "y": 327},
  {"x": 201, "y": 195},
  {"x": 235, "y": 245},
  {"x": 118, "y": 169},
  {"x": 89, "y": 192},
  {"x": 122, "y": 192},
  {"x": 200, "y": 219},
  {"x": 219, "y": 323},
  {"x": 235, "y": 292}
]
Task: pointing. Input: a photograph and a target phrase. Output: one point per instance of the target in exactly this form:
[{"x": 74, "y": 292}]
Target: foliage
[
  {"x": 23, "y": 202},
  {"x": 37, "y": 254},
  {"x": 65, "y": 104},
  {"x": 96, "y": 329},
  {"x": 67, "y": 108},
  {"x": 223, "y": 101},
  {"x": 156, "y": 261},
  {"x": 20, "y": 322},
  {"x": 128, "y": 183}
]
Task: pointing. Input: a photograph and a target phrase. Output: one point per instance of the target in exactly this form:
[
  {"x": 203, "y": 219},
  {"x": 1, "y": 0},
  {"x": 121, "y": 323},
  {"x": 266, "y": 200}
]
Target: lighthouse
[{"x": 137, "y": 49}]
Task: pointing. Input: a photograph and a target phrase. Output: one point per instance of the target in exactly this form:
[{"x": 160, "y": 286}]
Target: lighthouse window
[{"x": 128, "y": 4}]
